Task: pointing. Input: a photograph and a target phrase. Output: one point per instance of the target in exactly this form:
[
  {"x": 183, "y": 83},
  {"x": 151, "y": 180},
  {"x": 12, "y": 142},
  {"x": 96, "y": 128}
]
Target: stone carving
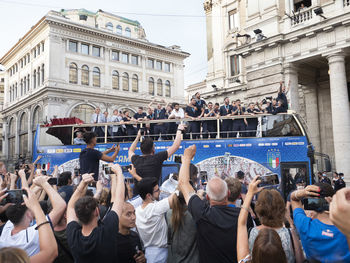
[{"x": 208, "y": 4}]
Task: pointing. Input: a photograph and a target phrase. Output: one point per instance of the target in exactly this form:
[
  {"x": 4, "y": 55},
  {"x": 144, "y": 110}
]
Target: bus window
[
  {"x": 55, "y": 136},
  {"x": 279, "y": 126},
  {"x": 293, "y": 175}
]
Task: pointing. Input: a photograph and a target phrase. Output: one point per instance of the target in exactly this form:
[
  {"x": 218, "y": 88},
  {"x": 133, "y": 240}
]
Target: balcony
[{"x": 302, "y": 16}]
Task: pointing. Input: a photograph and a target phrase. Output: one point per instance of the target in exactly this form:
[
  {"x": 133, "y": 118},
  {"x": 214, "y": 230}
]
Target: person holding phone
[{"x": 321, "y": 239}]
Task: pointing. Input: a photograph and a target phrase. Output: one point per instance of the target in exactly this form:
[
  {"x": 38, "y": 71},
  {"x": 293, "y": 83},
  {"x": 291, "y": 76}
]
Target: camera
[
  {"x": 316, "y": 204},
  {"x": 125, "y": 168},
  {"x": 268, "y": 179},
  {"x": 14, "y": 197},
  {"x": 177, "y": 159},
  {"x": 203, "y": 177},
  {"x": 76, "y": 172},
  {"x": 107, "y": 169},
  {"x": 53, "y": 181}
]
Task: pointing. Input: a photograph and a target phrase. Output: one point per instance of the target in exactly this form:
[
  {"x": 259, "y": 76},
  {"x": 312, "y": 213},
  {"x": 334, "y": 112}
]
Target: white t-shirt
[
  {"x": 27, "y": 239},
  {"x": 151, "y": 223},
  {"x": 178, "y": 114}
]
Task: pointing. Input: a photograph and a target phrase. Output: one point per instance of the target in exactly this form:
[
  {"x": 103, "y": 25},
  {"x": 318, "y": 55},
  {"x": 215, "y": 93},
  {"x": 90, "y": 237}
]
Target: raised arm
[
  {"x": 48, "y": 246},
  {"x": 134, "y": 174},
  {"x": 58, "y": 204},
  {"x": 78, "y": 193},
  {"x": 308, "y": 191},
  {"x": 242, "y": 233},
  {"x": 107, "y": 158},
  {"x": 176, "y": 144},
  {"x": 23, "y": 177},
  {"x": 184, "y": 174},
  {"x": 133, "y": 146},
  {"x": 117, "y": 189}
]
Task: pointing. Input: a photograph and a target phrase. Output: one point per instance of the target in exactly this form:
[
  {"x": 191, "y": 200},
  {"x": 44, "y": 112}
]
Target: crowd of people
[
  {"x": 78, "y": 218},
  {"x": 197, "y": 109}
]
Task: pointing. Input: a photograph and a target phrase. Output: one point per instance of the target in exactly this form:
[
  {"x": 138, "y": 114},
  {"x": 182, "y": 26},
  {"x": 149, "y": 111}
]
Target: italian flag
[{"x": 274, "y": 162}]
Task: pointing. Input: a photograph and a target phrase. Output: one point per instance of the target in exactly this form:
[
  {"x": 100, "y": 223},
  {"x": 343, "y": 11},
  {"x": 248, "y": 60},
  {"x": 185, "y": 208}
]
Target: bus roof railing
[{"x": 182, "y": 120}]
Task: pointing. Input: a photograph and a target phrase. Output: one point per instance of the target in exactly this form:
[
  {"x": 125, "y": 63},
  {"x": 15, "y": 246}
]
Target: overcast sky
[{"x": 166, "y": 22}]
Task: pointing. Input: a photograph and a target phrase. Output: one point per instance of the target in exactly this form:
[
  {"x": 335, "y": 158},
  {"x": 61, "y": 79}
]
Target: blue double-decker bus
[{"x": 281, "y": 146}]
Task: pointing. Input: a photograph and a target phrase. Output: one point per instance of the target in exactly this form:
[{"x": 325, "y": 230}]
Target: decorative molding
[{"x": 208, "y": 6}]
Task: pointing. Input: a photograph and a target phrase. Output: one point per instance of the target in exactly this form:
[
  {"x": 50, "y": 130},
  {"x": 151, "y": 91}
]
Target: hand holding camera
[
  {"x": 309, "y": 191},
  {"x": 88, "y": 178}
]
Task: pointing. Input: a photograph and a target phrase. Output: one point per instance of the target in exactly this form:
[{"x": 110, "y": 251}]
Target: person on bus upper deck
[
  {"x": 194, "y": 113},
  {"x": 159, "y": 114},
  {"x": 117, "y": 130},
  {"x": 178, "y": 114},
  {"x": 140, "y": 115},
  {"x": 149, "y": 164},
  {"x": 280, "y": 108},
  {"x": 130, "y": 129},
  {"x": 210, "y": 127},
  {"x": 79, "y": 140},
  {"x": 201, "y": 104},
  {"x": 226, "y": 110},
  {"x": 252, "y": 122},
  {"x": 89, "y": 158},
  {"x": 151, "y": 117},
  {"x": 239, "y": 124},
  {"x": 282, "y": 96},
  {"x": 98, "y": 117}
]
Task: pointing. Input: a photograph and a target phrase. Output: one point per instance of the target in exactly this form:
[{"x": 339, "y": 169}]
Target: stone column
[
  {"x": 291, "y": 74},
  {"x": 340, "y": 112},
  {"x": 312, "y": 118}
]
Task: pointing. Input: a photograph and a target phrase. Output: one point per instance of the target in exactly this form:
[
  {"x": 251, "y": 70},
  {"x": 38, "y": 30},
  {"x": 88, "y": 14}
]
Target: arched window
[
  {"x": 151, "y": 86},
  {"x": 25, "y": 85},
  {"x": 96, "y": 77},
  {"x": 42, "y": 74},
  {"x": 128, "y": 32},
  {"x": 28, "y": 82},
  {"x": 125, "y": 81},
  {"x": 11, "y": 94},
  {"x": 135, "y": 83},
  {"x": 159, "y": 87},
  {"x": 115, "y": 79},
  {"x": 37, "y": 117},
  {"x": 167, "y": 89},
  {"x": 23, "y": 134},
  {"x": 34, "y": 79},
  {"x": 38, "y": 76},
  {"x": 109, "y": 26},
  {"x": 119, "y": 30},
  {"x": 85, "y": 75},
  {"x": 16, "y": 91},
  {"x": 83, "y": 112},
  {"x": 73, "y": 73},
  {"x": 11, "y": 138},
  {"x": 21, "y": 87}
]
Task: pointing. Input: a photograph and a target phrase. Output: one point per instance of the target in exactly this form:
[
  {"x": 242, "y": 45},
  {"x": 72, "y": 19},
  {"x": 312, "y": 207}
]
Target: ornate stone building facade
[
  {"x": 307, "y": 45},
  {"x": 73, "y": 61}
]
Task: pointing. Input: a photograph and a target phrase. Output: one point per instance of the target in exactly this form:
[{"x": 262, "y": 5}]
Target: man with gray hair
[{"x": 216, "y": 221}]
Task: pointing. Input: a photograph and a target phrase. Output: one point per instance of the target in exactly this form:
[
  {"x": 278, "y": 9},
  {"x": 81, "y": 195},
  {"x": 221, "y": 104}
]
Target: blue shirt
[{"x": 320, "y": 241}]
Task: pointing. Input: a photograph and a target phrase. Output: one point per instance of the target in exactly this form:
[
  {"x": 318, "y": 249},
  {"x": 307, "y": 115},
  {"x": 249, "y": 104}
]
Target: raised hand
[{"x": 190, "y": 152}]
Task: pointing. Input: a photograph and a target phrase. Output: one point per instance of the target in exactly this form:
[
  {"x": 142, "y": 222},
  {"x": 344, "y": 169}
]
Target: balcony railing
[{"x": 302, "y": 16}]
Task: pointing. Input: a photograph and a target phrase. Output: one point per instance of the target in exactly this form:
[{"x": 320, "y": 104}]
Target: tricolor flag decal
[{"x": 273, "y": 158}]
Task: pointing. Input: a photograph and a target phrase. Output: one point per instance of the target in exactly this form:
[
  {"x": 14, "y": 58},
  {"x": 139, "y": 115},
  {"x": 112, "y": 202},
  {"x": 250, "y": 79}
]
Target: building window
[
  {"x": 119, "y": 30},
  {"x": 151, "y": 86},
  {"x": 233, "y": 20},
  {"x": 28, "y": 82},
  {"x": 115, "y": 55},
  {"x": 135, "y": 83},
  {"x": 15, "y": 96},
  {"x": 96, "y": 77},
  {"x": 11, "y": 138},
  {"x": 159, "y": 87},
  {"x": 21, "y": 85},
  {"x": 85, "y": 75},
  {"x": 34, "y": 53},
  {"x": 83, "y": 112},
  {"x": 301, "y": 5},
  {"x": 21, "y": 63},
  {"x": 109, "y": 26},
  {"x": 38, "y": 47},
  {"x": 115, "y": 79},
  {"x": 28, "y": 57},
  {"x": 96, "y": 51},
  {"x": 167, "y": 67},
  {"x": 38, "y": 76},
  {"x": 150, "y": 63},
  {"x": 25, "y": 85},
  {"x": 42, "y": 74},
  {"x": 73, "y": 73},
  {"x": 159, "y": 65},
  {"x": 42, "y": 46},
  {"x": 125, "y": 57},
  {"x": 85, "y": 49},
  {"x": 125, "y": 81},
  {"x": 128, "y": 32},
  {"x": 34, "y": 79},
  {"x": 234, "y": 65},
  {"x": 167, "y": 89},
  {"x": 23, "y": 134},
  {"x": 134, "y": 60},
  {"x": 73, "y": 46}
]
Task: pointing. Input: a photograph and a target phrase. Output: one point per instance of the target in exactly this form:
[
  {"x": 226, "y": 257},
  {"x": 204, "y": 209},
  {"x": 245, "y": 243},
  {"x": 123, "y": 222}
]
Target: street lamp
[
  {"x": 246, "y": 38},
  {"x": 319, "y": 12}
]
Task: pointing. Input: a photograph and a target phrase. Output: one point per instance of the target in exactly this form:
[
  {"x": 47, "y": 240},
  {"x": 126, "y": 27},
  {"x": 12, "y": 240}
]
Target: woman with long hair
[
  {"x": 267, "y": 244},
  {"x": 181, "y": 233}
]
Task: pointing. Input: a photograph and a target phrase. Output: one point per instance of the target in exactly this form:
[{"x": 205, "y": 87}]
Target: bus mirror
[{"x": 328, "y": 165}]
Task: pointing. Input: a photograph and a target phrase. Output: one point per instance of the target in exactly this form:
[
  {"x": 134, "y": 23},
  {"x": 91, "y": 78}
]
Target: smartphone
[
  {"x": 269, "y": 179},
  {"x": 126, "y": 168},
  {"x": 76, "y": 172},
  {"x": 43, "y": 172},
  {"x": 107, "y": 169},
  {"x": 315, "y": 204},
  {"x": 177, "y": 159},
  {"x": 203, "y": 177},
  {"x": 43, "y": 166},
  {"x": 14, "y": 196},
  {"x": 53, "y": 181}
]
